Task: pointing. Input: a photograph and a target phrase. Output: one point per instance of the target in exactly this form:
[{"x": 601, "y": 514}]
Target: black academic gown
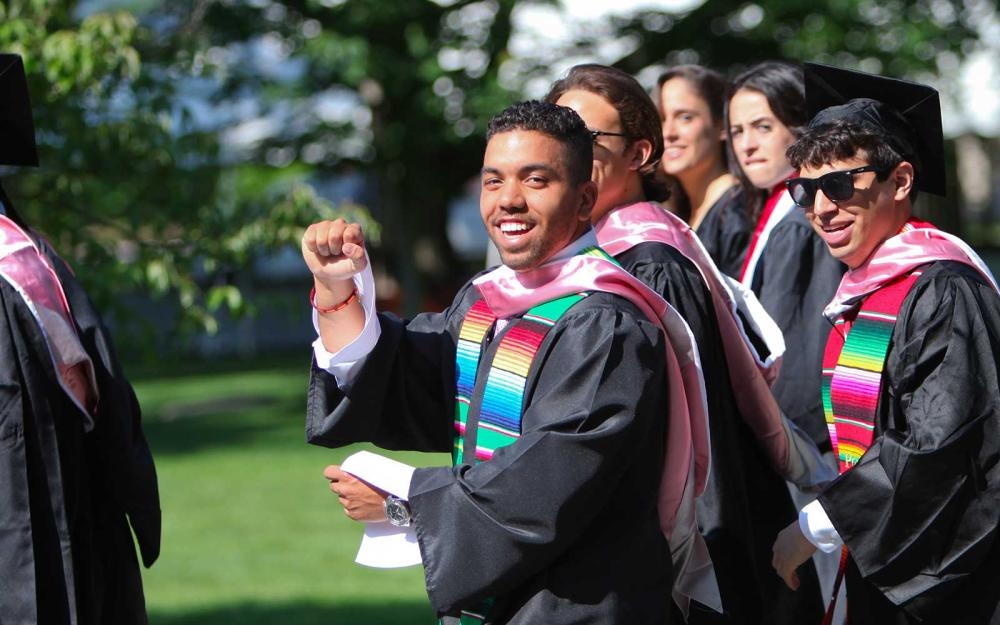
[
  {"x": 560, "y": 526},
  {"x": 725, "y": 231},
  {"x": 920, "y": 511},
  {"x": 795, "y": 279},
  {"x": 745, "y": 503},
  {"x": 69, "y": 496}
]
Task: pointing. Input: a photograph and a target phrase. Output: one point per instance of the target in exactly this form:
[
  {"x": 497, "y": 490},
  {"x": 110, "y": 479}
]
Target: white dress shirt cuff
[
  {"x": 817, "y": 528},
  {"x": 346, "y": 363}
]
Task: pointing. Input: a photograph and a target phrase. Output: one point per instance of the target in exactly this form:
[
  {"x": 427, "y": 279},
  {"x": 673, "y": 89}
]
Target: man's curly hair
[{"x": 560, "y": 123}]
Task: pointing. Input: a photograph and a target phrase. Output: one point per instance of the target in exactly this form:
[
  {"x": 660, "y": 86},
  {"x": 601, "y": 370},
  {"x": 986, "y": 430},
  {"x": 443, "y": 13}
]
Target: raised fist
[{"x": 334, "y": 251}]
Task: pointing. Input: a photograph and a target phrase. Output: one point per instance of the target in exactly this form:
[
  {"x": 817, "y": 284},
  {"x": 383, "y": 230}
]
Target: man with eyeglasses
[
  {"x": 752, "y": 446},
  {"x": 910, "y": 374}
]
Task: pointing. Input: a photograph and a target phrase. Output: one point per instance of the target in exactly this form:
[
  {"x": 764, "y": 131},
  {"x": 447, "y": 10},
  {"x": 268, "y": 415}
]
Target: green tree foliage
[
  {"x": 422, "y": 78},
  {"x": 129, "y": 191},
  {"x": 181, "y": 140}
]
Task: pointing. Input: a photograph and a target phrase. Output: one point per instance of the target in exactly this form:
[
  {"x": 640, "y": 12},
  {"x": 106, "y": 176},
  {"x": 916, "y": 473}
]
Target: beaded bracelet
[{"x": 332, "y": 309}]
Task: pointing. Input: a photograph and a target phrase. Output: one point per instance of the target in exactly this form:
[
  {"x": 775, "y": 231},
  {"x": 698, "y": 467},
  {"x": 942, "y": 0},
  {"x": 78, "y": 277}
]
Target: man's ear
[
  {"x": 903, "y": 177},
  {"x": 588, "y": 198},
  {"x": 642, "y": 150}
]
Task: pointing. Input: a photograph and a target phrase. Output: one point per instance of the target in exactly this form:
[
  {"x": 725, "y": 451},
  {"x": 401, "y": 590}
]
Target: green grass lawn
[{"x": 251, "y": 534}]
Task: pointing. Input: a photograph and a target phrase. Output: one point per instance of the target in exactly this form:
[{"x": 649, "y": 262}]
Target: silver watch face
[{"x": 397, "y": 511}]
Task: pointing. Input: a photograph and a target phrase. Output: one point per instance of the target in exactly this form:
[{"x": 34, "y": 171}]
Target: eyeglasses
[
  {"x": 836, "y": 185},
  {"x": 594, "y": 134}
]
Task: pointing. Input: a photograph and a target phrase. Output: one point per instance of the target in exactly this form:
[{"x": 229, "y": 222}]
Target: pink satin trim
[
  {"x": 24, "y": 266},
  {"x": 898, "y": 256},
  {"x": 628, "y": 226},
  {"x": 508, "y": 293}
]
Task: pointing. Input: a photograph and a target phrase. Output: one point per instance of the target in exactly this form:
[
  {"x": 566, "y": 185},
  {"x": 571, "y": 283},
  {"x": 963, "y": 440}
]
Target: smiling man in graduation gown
[
  {"x": 910, "y": 375},
  {"x": 75, "y": 470},
  {"x": 550, "y": 379}
]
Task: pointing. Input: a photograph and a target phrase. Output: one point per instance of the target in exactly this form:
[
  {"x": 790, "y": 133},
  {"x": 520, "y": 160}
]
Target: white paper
[{"x": 384, "y": 545}]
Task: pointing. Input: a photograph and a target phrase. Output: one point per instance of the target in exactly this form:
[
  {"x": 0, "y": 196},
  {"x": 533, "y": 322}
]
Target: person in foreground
[
  {"x": 550, "y": 380},
  {"x": 745, "y": 502},
  {"x": 75, "y": 469},
  {"x": 910, "y": 375}
]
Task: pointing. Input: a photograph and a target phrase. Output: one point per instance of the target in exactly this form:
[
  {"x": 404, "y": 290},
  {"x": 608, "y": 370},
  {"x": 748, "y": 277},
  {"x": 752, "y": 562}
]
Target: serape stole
[
  {"x": 499, "y": 422},
  {"x": 852, "y": 381},
  {"x": 502, "y": 400},
  {"x": 852, "y": 369}
]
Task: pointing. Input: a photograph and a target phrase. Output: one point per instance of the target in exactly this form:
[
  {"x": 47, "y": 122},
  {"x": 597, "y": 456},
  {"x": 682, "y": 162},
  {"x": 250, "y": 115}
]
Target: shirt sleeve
[
  {"x": 818, "y": 529},
  {"x": 345, "y": 364}
]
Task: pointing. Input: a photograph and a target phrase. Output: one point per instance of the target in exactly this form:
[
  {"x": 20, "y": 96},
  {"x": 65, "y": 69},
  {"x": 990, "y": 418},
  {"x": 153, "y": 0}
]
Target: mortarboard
[
  {"x": 909, "y": 113},
  {"x": 17, "y": 130}
]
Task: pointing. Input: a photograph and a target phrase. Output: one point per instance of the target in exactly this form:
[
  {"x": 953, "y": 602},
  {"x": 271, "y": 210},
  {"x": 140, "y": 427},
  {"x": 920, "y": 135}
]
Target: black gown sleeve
[
  {"x": 795, "y": 279},
  {"x": 403, "y": 397},
  {"x": 122, "y": 456},
  {"x": 919, "y": 512},
  {"x": 575, "y": 492}
]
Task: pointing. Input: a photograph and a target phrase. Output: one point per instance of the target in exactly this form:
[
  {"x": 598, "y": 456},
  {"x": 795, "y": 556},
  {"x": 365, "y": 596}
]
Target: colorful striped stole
[
  {"x": 852, "y": 382},
  {"x": 852, "y": 369},
  {"x": 499, "y": 421},
  {"x": 500, "y": 408},
  {"x": 497, "y": 415}
]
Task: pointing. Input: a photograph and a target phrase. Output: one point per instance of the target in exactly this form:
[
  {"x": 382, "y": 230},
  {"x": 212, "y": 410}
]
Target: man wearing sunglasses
[{"x": 910, "y": 374}]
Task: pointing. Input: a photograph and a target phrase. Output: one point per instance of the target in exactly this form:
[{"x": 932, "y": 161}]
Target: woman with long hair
[
  {"x": 707, "y": 195},
  {"x": 787, "y": 264}
]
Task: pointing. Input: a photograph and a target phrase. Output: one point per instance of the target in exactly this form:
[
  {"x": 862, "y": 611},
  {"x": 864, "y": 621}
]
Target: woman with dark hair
[
  {"x": 694, "y": 154},
  {"x": 787, "y": 264}
]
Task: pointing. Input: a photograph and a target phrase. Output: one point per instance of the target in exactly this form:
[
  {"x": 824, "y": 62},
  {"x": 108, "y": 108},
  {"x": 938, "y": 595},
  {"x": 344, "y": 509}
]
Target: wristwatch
[{"x": 397, "y": 511}]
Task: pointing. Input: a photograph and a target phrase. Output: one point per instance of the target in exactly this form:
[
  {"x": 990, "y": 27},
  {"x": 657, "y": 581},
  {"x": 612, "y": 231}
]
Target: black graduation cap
[
  {"x": 908, "y": 112},
  {"x": 17, "y": 130}
]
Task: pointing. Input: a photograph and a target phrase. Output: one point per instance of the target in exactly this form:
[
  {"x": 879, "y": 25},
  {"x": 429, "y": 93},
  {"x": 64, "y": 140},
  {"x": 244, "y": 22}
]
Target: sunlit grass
[{"x": 250, "y": 532}]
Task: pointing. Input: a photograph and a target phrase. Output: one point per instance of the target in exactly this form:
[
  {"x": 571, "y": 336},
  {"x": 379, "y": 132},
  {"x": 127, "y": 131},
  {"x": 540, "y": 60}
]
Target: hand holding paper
[
  {"x": 361, "y": 500},
  {"x": 384, "y": 545}
]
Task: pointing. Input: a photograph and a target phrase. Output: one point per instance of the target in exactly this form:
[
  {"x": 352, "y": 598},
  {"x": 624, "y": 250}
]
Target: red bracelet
[{"x": 332, "y": 309}]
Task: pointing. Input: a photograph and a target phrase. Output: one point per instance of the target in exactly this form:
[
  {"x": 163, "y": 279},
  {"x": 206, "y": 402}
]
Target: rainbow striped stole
[
  {"x": 499, "y": 411},
  {"x": 502, "y": 402},
  {"x": 852, "y": 369},
  {"x": 499, "y": 422}
]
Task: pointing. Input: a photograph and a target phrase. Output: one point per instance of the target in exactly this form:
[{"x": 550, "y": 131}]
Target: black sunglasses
[
  {"x": 594, "y": 134},
  {"x": 836, "y": 185}
]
